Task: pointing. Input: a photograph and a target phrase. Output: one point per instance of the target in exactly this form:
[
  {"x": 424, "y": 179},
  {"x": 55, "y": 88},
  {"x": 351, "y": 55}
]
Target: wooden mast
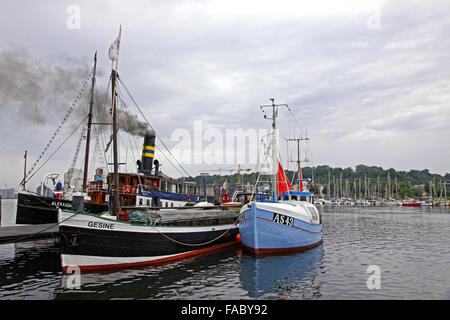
[
  {"x": 115, "y": 207},
  {"x": 25, "y": 170},
  {"x": 88, "y": 135}
]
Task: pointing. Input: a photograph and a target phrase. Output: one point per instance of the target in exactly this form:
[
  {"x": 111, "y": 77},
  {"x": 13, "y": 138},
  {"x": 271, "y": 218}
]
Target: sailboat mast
[
  {"x": 88, "y": 135},
  {"x": 25, "y": 170},
  {"x": 274, "y": 147},
  {"x": 389, "y": 186},
  {"x": 299, "y": 167},
  {"x": 300, "y": 176}
]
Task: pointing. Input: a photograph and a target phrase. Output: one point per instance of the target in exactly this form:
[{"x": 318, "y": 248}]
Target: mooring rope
[
  {"x": 196, "y": 244},
  {"x": 43, "y": 230}
]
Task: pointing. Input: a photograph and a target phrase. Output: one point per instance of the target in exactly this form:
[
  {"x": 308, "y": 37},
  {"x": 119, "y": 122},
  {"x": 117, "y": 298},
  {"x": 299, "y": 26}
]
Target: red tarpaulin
[{"x": 283, "y": 182}]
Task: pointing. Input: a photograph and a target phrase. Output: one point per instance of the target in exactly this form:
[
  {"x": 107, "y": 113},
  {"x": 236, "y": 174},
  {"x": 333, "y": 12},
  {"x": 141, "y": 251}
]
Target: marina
[
  {"x": 239, "y": 154},
  {"x": 32, "y": 269}
]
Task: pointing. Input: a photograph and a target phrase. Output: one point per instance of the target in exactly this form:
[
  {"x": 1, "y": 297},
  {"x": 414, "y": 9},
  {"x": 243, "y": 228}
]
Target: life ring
[
  {"x": 155, "y": 183},
  {"x": 133, "y": 189},
  {"x": 127, "y": 188}
]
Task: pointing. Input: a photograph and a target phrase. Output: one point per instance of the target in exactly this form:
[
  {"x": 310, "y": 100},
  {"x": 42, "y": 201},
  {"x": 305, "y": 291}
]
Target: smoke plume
[{"x": 38, "y": 91}]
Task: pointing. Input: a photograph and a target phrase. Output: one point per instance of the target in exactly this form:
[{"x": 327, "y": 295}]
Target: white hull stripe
[
  {"x": 92, "y": 222},
  {"x": 99, "y": 262}
]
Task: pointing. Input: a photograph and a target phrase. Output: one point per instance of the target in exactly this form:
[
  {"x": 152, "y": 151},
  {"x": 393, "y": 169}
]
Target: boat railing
[{"x": 262, "y": 196}]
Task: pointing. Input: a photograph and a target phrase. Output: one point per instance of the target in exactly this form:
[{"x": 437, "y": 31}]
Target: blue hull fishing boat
[
  {"x": 280, "y": 227},
  {"x": 282, "y": 220}
]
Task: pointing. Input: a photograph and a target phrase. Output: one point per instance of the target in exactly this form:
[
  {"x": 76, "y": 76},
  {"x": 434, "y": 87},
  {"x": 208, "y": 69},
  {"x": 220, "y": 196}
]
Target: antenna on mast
[{"x": 274, "y": 139}]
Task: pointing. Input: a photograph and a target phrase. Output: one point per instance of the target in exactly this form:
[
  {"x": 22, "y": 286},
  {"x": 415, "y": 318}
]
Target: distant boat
[
  {"x": 282, "y": 220},
  {"x": 204, "y": 204},
  {"x": 427, "y": 203},
  {"x": 319, "y": 201},
  {"x": 411, "y": 203},
  {"x": 390, "y": 203}
]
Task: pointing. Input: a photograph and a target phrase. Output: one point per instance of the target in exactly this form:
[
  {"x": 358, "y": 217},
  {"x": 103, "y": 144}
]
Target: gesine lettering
[{"x": 101, "y": 225}]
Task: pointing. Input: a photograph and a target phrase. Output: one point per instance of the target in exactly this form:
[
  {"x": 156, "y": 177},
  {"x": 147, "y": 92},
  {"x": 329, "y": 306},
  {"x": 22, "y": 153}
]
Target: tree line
[{"x": 365, "y": 180}]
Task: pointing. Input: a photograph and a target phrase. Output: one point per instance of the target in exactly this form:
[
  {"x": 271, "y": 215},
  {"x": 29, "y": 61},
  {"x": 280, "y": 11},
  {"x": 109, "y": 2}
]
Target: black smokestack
[{"x": 148, "y": 152}]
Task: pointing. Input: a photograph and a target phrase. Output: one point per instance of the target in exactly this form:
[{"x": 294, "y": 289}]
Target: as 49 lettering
[
  {"x": 282, "y": 219},
  {"x": 242, "y": 309}
]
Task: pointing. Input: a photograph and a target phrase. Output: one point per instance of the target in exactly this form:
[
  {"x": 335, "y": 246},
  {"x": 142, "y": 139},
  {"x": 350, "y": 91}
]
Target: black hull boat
[
  {"x": 37, "y": 209},
  {"x": 136, "y": 237},
  {"x": 90, "y": 242}
]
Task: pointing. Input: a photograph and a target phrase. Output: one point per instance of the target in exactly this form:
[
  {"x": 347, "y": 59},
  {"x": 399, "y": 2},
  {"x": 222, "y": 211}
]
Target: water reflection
[
  {"x": 411, "y": 246},
  {"x": 289, "y": 276},
  {"x": 28, "y": 269},
  {"x": 201, "y": 277}
]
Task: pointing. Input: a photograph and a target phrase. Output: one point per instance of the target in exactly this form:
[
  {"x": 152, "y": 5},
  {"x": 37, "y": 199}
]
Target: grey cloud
[{"x": 30, "y": 87}]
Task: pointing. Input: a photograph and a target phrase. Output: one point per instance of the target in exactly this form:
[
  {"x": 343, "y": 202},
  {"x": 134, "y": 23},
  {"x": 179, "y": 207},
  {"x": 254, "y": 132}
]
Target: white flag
[{"x": 114, "y": 49}]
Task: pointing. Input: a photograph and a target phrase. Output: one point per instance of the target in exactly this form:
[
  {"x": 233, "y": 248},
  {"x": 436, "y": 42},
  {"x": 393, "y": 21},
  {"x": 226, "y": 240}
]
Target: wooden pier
[{"x": 28, "y": 232}]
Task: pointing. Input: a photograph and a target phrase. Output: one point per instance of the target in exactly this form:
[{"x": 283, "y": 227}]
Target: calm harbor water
[{"x": 409, "y": 246}]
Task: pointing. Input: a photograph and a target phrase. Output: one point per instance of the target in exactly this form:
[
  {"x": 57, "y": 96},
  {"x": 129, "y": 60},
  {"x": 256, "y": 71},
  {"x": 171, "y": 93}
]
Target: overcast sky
[{"x": 369, "y": 79}]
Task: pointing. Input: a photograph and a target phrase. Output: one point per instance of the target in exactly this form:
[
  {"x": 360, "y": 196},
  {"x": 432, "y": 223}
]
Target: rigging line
[
  {"x": 97, "y": 152},
  {"x": 75, "y": 130},
  {"x": 286, "y": 179},
  {"x": 61, "y": 124},
  {"x": 262, "y": 163},
  {"x": 120, "y": 105},
  {"x": 134, "y": 140},
  {"x": 68, "y": 183},
  {"x": 159, "y": 149},
  {"x": 196, "y": 244},
  {"x": 135, "y": 152},
  {"x": 43, "y": 230},
  {"x": 298, "y": 123},
  {"x": 157, "y": 136},
  {"x": 129, "y": 94},
  {"x": 100, "y": 118},
  {"x": 98, "y": 149}
]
